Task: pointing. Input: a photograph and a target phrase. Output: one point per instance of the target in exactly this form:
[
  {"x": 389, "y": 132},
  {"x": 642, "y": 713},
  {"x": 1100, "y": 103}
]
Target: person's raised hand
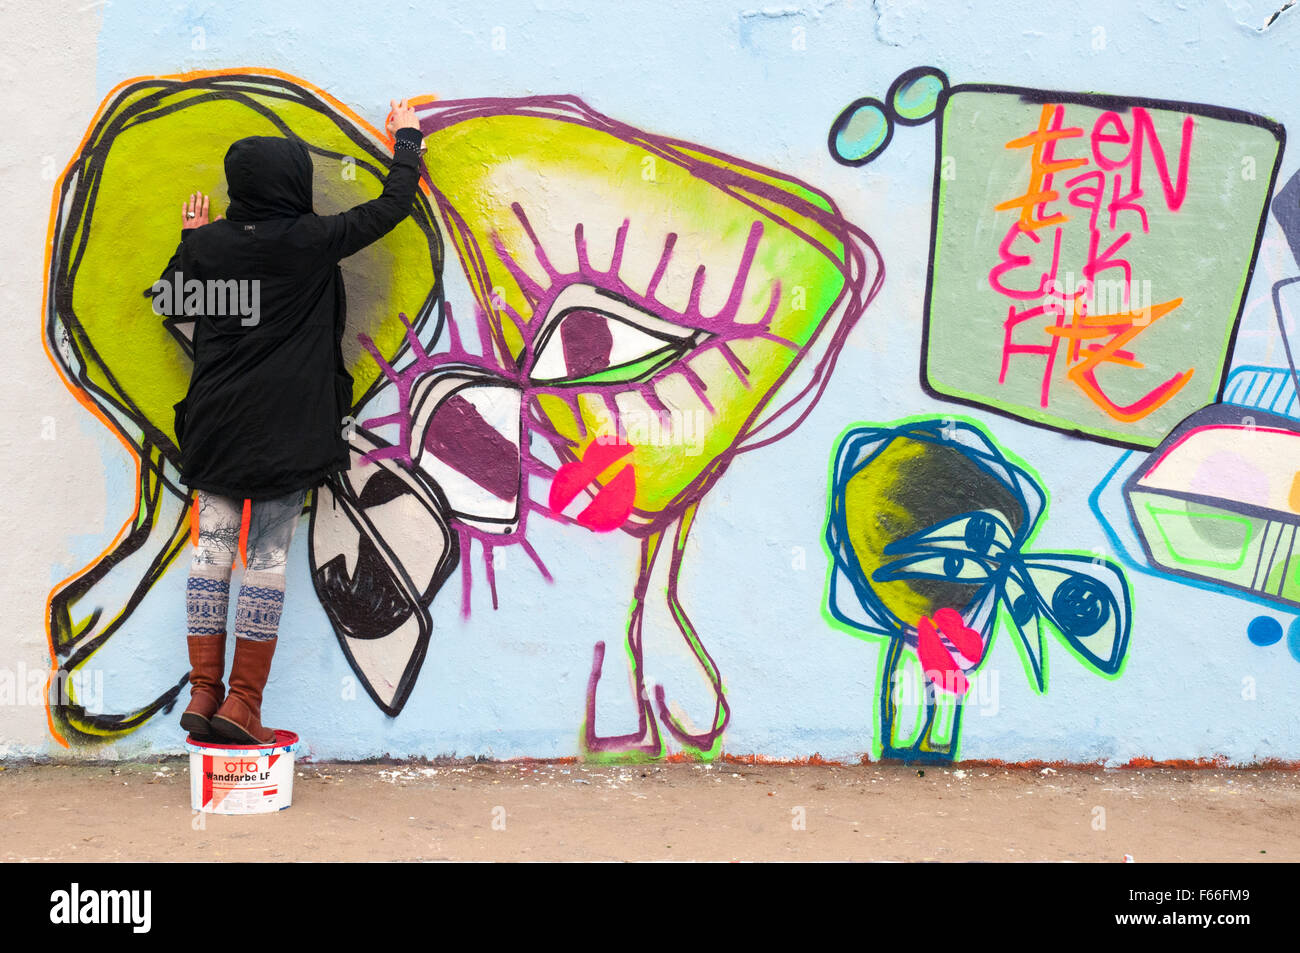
[
  {"x": 194, "y": 211},
  {"x": 401, "y": 116}
]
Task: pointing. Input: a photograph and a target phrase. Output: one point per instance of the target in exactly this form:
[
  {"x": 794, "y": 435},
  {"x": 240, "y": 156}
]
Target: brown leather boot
[
  {"x": 240, "y": 715},
  {"x": 207, "y": 666}
]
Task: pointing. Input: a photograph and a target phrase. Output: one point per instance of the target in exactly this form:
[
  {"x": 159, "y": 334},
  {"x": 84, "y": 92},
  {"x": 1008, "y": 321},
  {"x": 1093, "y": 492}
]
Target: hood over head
[{"x": 267, "y": 177}]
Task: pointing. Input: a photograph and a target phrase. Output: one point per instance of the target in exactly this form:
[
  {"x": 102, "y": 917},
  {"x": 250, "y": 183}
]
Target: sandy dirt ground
[{"x": 714, "y": 812}]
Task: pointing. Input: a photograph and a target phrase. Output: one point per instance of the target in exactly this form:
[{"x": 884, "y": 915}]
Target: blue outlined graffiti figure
[{"x": 928, "y": 527}]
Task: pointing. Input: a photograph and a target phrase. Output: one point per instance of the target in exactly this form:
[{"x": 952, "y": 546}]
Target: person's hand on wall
[
  {"x": 401, "y": 116},
  {"x": 194, "y": 211}
]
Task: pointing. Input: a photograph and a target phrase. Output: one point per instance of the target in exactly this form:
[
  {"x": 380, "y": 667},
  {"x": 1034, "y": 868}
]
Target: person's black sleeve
[
  {"x": 348, "y": 232},
  {"x": 177, "y": 262}
]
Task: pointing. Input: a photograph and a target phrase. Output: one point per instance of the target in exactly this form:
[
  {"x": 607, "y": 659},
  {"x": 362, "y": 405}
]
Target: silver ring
[{"x": 189, "y": 214}]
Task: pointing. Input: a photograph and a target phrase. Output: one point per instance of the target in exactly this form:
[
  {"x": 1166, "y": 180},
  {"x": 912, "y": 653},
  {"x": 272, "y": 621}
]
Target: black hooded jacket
[{"x": 264, "y": 412}]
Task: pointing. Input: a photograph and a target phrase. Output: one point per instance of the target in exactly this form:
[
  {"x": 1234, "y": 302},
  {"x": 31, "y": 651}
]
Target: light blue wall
[{"x": 511, "y": 682}]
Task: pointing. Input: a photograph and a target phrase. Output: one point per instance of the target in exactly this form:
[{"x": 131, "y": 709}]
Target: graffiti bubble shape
[
  {"x": 915, "y": 95},
  {"x": 863, "y": 130}
]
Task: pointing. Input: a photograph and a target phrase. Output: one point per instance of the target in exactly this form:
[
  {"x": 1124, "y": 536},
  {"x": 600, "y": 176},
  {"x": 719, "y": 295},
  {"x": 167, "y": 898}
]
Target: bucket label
[{"x": 239, "y": 782}]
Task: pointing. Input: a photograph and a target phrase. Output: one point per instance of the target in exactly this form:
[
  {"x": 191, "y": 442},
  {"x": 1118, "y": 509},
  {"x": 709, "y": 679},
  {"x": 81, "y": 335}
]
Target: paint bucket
[{"x": 241, "y": 778}]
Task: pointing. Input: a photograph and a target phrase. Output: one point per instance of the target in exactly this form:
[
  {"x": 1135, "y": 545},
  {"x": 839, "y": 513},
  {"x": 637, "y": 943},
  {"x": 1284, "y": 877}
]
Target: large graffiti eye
[
  {"x": 982, "y": 532},
  {"x": 1080, "y": 606},
  {"x": 590, "y": 336},
  {"x": 951, "y": 567}
]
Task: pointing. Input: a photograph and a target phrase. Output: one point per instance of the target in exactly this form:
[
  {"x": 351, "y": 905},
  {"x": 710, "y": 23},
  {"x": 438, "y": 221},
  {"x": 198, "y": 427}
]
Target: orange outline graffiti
[{"x": 78, "y": 394}]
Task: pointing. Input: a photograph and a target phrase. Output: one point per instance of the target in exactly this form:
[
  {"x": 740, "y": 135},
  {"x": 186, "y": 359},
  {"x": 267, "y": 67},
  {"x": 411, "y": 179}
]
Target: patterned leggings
[{"x": 261, "y": 596}]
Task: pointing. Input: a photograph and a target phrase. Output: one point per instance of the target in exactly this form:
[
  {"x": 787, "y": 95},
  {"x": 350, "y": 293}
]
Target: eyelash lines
[
  {"x": 723, "y": 323},
  {"x": 721, "y": 327}
]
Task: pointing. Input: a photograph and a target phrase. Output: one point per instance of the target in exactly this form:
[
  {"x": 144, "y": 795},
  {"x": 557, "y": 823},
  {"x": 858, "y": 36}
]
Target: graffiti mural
[
  {"x": 1213, "y": 501},
  {"x": 1217, "y": 503},
  {"x": 127, "y": 366},
  {"x": 633, "y": 335},
  {"x": 541, "y": 547},
  {"x": 928, "y": 530},
  {"x": 1089, "y": 254}
]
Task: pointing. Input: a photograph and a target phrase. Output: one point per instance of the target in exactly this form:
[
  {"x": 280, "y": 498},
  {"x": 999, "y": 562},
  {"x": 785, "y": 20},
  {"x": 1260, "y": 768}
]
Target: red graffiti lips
[
  {"x": 611, "y": 503},
  {"x": 940, "y": 666}
]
